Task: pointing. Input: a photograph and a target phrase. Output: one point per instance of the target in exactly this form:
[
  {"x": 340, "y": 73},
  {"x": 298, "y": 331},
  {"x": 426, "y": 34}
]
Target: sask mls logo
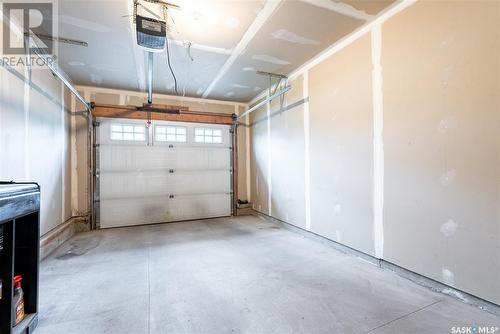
[
  {"x": 474, "y": 330},
  {"x": 22, "y": 19}
]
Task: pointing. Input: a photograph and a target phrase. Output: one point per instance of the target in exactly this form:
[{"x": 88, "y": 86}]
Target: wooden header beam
[{"x": 184, "y": 115}]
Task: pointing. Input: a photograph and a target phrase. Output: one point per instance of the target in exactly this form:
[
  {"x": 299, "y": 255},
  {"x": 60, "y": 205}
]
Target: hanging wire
[
  {"x": 170, "y": 67},
  {"x": 189, "y": 59}
]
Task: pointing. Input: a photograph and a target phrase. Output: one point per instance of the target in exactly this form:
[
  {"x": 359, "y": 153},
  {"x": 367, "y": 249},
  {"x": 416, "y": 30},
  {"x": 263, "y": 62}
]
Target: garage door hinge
[
  {"x": 97, "y": 145},
  {"x": 170, "y": 171},
  {"x": 170, "y": 196},
  {"x": 97, "y": 123}
]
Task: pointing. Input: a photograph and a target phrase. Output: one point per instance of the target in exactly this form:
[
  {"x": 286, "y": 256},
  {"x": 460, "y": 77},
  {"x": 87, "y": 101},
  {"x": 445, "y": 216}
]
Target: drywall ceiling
[
  {"x": 284, "y": 43},
  {"x": 215, "y": 46}
]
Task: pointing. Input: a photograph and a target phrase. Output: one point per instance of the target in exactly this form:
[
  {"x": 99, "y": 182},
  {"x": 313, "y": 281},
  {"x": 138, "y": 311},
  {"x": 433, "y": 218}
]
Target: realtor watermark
[
  {"x": 475, "y": 329},
  {"x": 28, "y": 30}
]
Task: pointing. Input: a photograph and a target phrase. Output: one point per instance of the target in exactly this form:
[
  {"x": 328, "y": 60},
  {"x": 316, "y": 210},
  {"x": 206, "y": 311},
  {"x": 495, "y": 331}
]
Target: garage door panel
[
  {"x": 208, "y": 206},
  {"x": 198, "y": 157},
  {"x": 133, "y": 211},
  {"x": 120, "y": 158},
  {"x": 139, "y": 184},
  {"x": 148, "y": 181},
  {"x": 137, "y": 211}
]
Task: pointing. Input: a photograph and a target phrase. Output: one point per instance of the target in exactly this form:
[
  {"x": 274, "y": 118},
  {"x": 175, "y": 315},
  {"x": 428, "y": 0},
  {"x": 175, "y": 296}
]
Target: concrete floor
[{"x": 231, "y": 275}]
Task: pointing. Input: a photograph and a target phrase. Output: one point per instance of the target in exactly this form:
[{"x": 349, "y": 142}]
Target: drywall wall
[
  {"x": 123, "y": 97},
  {"x": 403, "y": 143},
  {"x": 341, "y": 126},
  {"x": 34, "y": 139},
  {"x": 259, "y": 159},
  {"x": 441, "y": 128},
  {"x": 287, "y": 156},
  {"x": 79, "y": 156},
  {"x": 242, "y": 158}
]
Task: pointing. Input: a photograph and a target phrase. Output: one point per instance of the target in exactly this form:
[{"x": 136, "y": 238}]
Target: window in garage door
[
  {"x": 172, "y": 134},
  {"x": 127, "y": 132},
  {"x": 162, "y": 173}
]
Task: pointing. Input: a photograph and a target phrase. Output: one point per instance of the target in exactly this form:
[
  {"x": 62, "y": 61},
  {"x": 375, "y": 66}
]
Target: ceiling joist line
[
  {"x": 263, "y": 16},
  {"x": 341, "y": 8},
  {"x": 251, "y": 26}
]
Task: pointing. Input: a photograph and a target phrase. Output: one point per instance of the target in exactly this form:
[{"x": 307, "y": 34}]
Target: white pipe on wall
[{"x": 269, "y": 99}]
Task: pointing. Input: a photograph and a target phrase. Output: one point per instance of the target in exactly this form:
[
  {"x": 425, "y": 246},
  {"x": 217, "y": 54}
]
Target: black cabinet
[{"x": 19, "y": 252}]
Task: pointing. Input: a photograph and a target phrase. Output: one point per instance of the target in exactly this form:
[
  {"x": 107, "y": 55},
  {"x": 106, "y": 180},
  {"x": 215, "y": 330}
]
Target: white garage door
[{"x": 166, "y": 172}]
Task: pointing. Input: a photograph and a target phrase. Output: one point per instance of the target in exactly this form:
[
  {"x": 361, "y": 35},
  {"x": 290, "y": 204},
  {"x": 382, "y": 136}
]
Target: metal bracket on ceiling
[
  {"x": 57, "y": 39},
  {"x": 280, "y": 78},
  {"x": 272, "y": 76},
  {"x": 163, "y": 4},
  {"x": 267, "y": 100}
]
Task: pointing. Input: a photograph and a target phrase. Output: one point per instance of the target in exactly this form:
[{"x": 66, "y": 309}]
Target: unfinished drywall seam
[
  {"x": 63, "y": 152},
  {"x": 378, "y": 144},
  {"x": 345, "y": 41},
  {"x": 341, "y": 8},
  {"x": 210, "y": 48},
  {"x": 269, "y": 156},
  {"x": 355, "y": 35},
  {"x": 307, "y": 158},
  {"x": 249, "y": 181},
  {"x": 74, "y": 175},
  {"x": 26, "y": 101},
  {"x": 264, "y": 14},
  {"x": 88, "y": 188},
  {"x": 202, "y": 47},
  {"x": 236, "y": 166}
]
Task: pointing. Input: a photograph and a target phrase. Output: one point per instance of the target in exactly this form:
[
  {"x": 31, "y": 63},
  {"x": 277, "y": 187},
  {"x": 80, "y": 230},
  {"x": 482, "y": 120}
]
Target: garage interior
[{"x": 253, "y": 166}]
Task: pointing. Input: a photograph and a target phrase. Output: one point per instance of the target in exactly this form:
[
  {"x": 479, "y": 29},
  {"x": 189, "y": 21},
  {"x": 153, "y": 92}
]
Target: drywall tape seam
[
  {"x": 307, "y": 161},
  {"x": 269, "y": 156},
  {"x": 378, "y": 145}
]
